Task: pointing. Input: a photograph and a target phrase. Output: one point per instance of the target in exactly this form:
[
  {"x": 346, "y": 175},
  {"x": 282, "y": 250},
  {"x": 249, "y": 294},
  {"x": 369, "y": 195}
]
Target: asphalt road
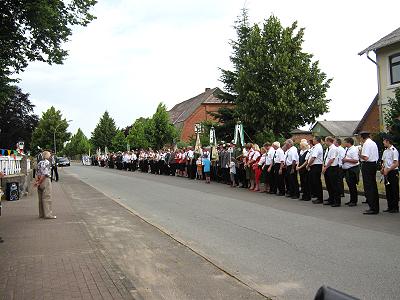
[{"x": 281, "y": 247}]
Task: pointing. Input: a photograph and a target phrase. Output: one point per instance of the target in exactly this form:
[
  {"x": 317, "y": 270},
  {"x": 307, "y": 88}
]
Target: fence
[{"x": 10, "y": 165}]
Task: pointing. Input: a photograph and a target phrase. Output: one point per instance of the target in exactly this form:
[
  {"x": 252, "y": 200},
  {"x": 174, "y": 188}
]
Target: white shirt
[
  {"x": 262, "y": 159},
  {"x": 351, "y": 153},
  {"x": 370, "y": 149},
  {"x": 292, "y": 155},
  {"x": 389, "y": 156},
  {"x": 190, "y": 154},
  {"x": 318, "y": 153},
  {"x": 232, "y": 167},
  {"x": 341, "y": 153},
  {"x": 331, "y": 153},
  {"x": 279, "y": 156},
  {"x": 270, "y": 156},
  {"x": 256, "y": 155}
]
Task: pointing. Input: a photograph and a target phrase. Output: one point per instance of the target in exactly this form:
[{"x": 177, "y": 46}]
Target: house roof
[
  {"x": 364, "y": 118},
  {"x": 300, "y": 131},
  {"x": 181, "y": 111},
  {"x": 390, "y": 39},
  {"x": 338, "y": 128}
]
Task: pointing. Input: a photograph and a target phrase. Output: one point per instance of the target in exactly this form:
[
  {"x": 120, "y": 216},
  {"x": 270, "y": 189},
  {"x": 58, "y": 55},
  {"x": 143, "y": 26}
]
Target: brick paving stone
[{"x": 53, "y": 259}]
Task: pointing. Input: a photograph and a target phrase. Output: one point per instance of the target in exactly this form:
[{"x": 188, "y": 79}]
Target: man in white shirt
[
  {"x": 331, "y": 173},
  {"x": 314, "y": 164},
  {"x": 278, "y": 175},
  {"x": 291, "y": 160},
  {"x": 369, "y": 158},
  {"x": 390, "y": 170},
  {"x": 351, "y": 169},
  {"x": 269, "y": 155},
  {"x": 341, "y": 152}
]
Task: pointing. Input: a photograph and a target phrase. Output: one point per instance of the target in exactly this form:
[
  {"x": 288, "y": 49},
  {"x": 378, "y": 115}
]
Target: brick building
[
  {"x": 370, "y": 120},
  {"x": 186, "y": 114},
  {"x": 298, "y": 135}
]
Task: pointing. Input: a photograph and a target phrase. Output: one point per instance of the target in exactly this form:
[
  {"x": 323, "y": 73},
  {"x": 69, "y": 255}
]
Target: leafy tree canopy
[
  {"x": 164, "y": 131},
  {"x": 141, "y": 134},
  {"x": 78, "y": 145},
  {"x": 51, "y": 122},
  {"x": 119, "y": 142},
  {"x": 104, "y": 132},
  {"x": 275, "y": 85},
  {"x": 36, "y": 30},
  {"x": 392, "y": 118},
  {"x": 17, "y": 119}
]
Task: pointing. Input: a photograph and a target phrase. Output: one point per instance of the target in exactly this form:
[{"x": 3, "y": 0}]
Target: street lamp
[{"x": 54, "y": 136}]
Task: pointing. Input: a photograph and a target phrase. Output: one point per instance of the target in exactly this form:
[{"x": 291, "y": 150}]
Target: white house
[{"x": 387, "y": 53}]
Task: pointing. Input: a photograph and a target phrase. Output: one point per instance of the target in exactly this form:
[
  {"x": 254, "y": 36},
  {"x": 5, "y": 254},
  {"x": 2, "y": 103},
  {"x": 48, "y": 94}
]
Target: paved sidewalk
[{"x": 54, "y": 259}]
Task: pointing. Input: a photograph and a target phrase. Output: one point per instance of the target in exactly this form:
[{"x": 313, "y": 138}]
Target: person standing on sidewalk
[
  {"x": 369, "y": 160},
  {"x": 314, "y": 165},
  {"x": 43, "y": 185},
  {"x": 291, "y": 162},
  {"x": 54, "y": 170},
  {"x": 331, "y": 173},
  {"x": 341, "y": 153},
  {"x": 390, "y": 171},
  {"x": 351, "y": 169}
]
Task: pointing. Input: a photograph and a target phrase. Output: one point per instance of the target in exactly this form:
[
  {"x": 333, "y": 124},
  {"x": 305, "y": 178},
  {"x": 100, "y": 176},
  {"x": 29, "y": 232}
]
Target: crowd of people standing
[{"x": 282, "y": 170}]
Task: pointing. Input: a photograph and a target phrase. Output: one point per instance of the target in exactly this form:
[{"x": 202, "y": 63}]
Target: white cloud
[{"x": 138, "y": 53}]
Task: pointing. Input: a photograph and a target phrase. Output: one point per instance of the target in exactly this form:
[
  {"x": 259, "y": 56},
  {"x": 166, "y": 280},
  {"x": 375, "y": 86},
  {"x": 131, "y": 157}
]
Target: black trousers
[
  {"x": 332, "y": 184},
  {"x": 225, "y": 175},
  {"x": 368, "y": 171},
  {"x": 292, "y": 182},
  {"x": 54, "y": 171},
  {"x": 278, "y": 180},
  {"x": 341, "y": 181},
  {"x": 242, "y": 175},
  {"x": 305, "y": 184},
  {"x": 315, "y": 181},
  {"x": 392, "y": 190},
  {"x": 352, "y": 181}
]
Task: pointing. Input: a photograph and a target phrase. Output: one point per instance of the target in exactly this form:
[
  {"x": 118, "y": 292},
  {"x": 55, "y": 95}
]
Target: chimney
[{"x": 207, "y": 89}]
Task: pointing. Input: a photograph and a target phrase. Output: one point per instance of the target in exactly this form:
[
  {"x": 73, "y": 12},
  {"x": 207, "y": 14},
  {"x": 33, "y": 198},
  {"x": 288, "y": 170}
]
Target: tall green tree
[
  {"x": 275, "y": 85},
  {"x": 164, "y": 131},
  {"x": 37, "y": 30},
  {"x": 119, "y": 142},
  {"x": 17, "y": 119},
  {"x": 104, "y": 132},
  {"x": 51, "y": 122},
  {"x": 141, "y": 134},
  {"x": 78, "y": 145},
  {"x": 392, "y": 118}
]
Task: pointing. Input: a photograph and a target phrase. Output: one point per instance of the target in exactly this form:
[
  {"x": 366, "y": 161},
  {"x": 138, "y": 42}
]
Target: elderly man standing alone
[{"x": 43, "y": 185}]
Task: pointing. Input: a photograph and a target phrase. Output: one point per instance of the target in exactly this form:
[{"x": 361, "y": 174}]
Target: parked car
[{"x": 63, "y": 162}]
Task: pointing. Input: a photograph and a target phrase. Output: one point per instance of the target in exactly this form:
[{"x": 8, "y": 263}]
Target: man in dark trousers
[
  {"x": 369, "y": 159},
  {"x": 314, "y": 166},
  {"x": 331, "y": 173},
  {"x": 351, "y": 169},
  {"x": 390, "y": 171},
  {"x": 54, "y": 170}
]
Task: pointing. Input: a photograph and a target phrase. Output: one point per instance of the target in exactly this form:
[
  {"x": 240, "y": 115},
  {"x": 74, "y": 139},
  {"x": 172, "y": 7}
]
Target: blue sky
[{"x": 139, "y": 53}]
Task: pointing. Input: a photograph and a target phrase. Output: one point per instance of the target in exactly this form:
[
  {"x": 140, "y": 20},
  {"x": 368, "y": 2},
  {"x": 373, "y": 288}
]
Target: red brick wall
[
  {"x": 298, "y": 137},
  {"x": 371, "y": 123},
  {"x": 200, "y": 115}
]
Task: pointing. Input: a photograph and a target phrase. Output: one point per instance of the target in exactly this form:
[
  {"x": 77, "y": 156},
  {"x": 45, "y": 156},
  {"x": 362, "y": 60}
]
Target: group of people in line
[{"x": 283, "y": 170}]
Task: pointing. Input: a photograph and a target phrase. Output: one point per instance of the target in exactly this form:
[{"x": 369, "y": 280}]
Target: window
[{"x": 394, "y": 62}]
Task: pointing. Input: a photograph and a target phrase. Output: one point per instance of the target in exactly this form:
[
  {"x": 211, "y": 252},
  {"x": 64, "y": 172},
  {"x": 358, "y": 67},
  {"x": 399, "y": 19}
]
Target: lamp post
[{"x": 54, "y": 136}]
